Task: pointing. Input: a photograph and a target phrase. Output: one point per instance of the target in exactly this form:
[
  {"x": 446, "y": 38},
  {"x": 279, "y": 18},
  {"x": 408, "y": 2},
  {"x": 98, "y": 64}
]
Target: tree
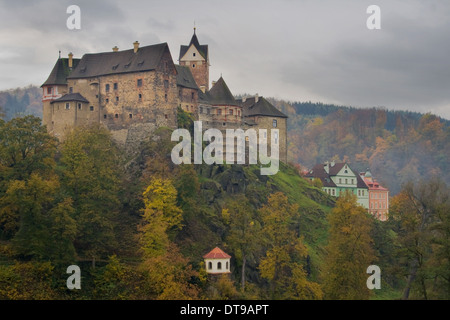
[
  {"x": 25, "y": 147},
  {"x": 90, "y": 175},
  {"x": 167, "y": 271},
  {"x": 283, "y": 266},
  {"x": 45, "y": 227},
  {"x": 244, "y": 232},
  {"x": 349, "y": 251},
  {"x": 422, "y": 211}
]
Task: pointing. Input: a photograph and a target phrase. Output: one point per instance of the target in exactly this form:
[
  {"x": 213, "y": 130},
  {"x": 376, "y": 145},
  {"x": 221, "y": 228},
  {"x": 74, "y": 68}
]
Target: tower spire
[{"x": 195, "y": 28}]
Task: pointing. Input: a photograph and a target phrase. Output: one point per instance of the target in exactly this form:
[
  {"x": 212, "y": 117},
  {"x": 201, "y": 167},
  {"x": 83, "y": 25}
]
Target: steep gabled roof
[
  {"x": 202, "y": 49},
  {"x": 220, "y": 94},
  {"x": 185, "y": 78},
  {"x": 71, "y": 97},
  {"x": 261, "y": 108},
  {"x": 60, "y": 72},
  {"x": 106, "y": 63},
  {"x": 319, "y": 172},
  {"x": 216, "y": 253}
]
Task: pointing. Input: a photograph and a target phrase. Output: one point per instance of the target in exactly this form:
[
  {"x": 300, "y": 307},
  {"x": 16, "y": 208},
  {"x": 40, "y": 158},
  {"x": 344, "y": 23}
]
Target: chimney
[
  {"x": 326, "y": 167},
  {"x": 115, "y": 49},
  {"x": 244, "y": 99},
  {"x": 213, "y": 83},
  {"x": 136, "y": 46},
  {"x": 70, "y": 60},
  {"x": 256, "y": 98},
  {"x": 203, "y": 88}
]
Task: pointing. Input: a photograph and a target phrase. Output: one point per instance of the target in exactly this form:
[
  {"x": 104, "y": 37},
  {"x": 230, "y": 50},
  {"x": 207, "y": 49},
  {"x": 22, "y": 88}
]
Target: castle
[{"x": 133, "y": 92}]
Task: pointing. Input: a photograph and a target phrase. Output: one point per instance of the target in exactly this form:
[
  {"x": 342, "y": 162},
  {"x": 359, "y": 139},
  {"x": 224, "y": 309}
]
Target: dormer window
[
  {"x": 49, "y": 90},
  {"x": 193, "y": 54}
]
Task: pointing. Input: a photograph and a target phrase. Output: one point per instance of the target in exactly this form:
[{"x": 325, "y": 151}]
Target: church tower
[{"x": 195, "y": 56}]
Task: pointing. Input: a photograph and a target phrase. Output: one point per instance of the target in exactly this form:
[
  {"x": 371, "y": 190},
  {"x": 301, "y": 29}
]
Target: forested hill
[
  {"x": 21, "y": 101},
  {"x": 398, "y": 146}
]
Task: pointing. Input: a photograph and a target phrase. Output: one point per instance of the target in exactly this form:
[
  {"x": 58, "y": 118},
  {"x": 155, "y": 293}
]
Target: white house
[{"x": 217, "y": 261}]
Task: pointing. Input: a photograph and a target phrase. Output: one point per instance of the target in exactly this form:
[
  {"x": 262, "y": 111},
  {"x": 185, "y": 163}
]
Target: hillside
[{"x": 398, "y": 146}]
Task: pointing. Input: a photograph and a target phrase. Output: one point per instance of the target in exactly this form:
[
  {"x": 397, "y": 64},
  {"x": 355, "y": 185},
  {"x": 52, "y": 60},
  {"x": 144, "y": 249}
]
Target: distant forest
[{"x": 397, "y": 146}]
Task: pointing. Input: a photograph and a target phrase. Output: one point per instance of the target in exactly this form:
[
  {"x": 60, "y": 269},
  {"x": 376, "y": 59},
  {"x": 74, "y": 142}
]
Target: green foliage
[
  {"x": 282, "y": 266},
  {"x": 90, "y": 175}
]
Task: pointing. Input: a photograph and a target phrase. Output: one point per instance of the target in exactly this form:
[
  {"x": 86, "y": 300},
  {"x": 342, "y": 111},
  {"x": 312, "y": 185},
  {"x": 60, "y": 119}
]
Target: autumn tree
[
  {"x": 422, "y": 212},
  {"x": 244, "y": 232},
  {"x": 283, "y": 263},
  {"x": 167, "y": 271},
  {"x": 349, "y": 251}
]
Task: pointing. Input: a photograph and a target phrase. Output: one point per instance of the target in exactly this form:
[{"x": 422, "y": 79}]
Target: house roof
[
  {"x": 261, "y": 107},
  {"x": 105, "y": 63},
  {"x": 185, "y": 78},
  {"x": 60, "y": 72},
  {"x": 220, "y": 94},
  {"x": 216, "y": 253},
  {"x": 202, "y": 49},
  {"x": 71, "y": 97},
  {"x": 319, "y": 172}
]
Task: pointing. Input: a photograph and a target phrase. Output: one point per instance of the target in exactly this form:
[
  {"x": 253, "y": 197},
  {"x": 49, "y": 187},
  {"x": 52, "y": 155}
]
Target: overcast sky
[{"x": 297, "y": 50}]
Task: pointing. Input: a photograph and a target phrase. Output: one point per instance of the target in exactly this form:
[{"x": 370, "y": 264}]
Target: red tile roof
[{"x": 216, "y": 253}]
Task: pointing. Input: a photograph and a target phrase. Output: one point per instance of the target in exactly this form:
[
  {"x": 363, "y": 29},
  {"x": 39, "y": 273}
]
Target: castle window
[
  {"x": 219, "y": 265},
  {"x": 79, "y": 106},
  {"x": 201, "y": 109},
  {"x": 139, "y": 82},
  {"x": 140, "y": 96},
  {"x": 166, "y": 117},
  {"x": 91, "y": 108},
  {"x": 165, "y": 97},
  {"x": 209, "y": 265},
  {"x": 71, "y": 90},
  {"x": 193, "y": 65},
  {"x": 340, "y": 180},
  {"x": 346, "y": 181},
  {"x": 192, "y": 96},
  {"x": 166, "y": 84},
  {"x": 274, "y": 123},
  {"x": 104, "y": 116},
  {"x": 49, "y": 90},
  {"x": 116, "y": 116},
  {"x": 107, "y": 87},
  {"x": 107, "y": 100},
  {"x": 230, "y": 112},
  {"x": 193, "y": 54},
  {"x": 67, "y": 106},
  {"x": 117, "y": 99},
  {"x": 130, "y": 116},
  {"x": 224, "y": 124},
  {"x": 116, "y": 85}
]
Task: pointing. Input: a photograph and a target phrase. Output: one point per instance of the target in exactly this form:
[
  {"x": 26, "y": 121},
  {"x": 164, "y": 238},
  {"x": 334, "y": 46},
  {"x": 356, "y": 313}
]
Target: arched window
[
  {"x": 219, "y": 265},
  {"x": 209, "y": 265},
  {"x": 226, "y": 266}
]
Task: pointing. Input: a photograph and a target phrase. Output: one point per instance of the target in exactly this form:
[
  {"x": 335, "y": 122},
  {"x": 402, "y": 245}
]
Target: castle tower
[{"x": 196, "y": 57}]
